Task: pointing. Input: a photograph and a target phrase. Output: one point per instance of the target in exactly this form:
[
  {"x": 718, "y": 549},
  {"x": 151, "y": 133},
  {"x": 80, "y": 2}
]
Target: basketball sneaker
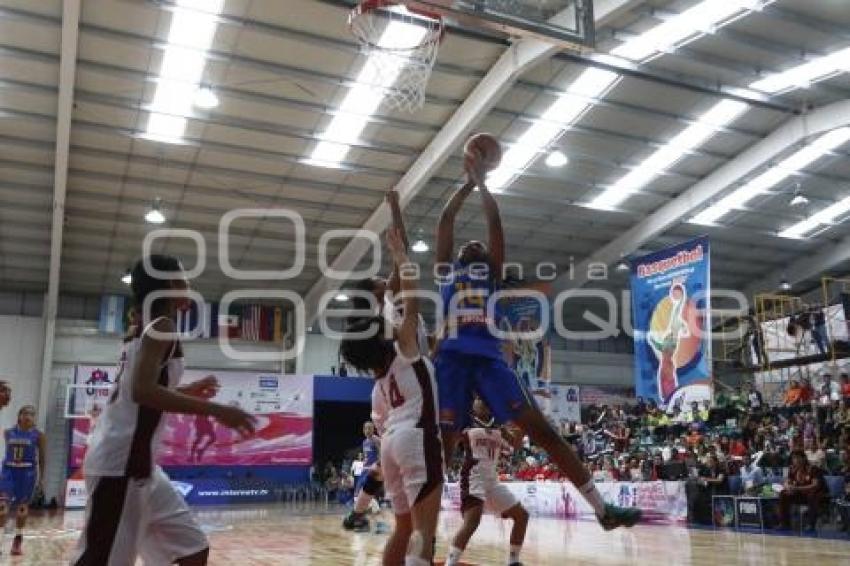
[
  {"x": 355, "y": 522},
  {"x": 16, "y": 546},
  {"x": 619, "y": 517}
]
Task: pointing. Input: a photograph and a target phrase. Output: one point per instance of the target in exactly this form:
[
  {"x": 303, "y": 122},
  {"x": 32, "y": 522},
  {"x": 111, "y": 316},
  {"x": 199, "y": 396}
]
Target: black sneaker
[
  {"x": 355, "y": 522},
  {"x": 619, "y": 517}
]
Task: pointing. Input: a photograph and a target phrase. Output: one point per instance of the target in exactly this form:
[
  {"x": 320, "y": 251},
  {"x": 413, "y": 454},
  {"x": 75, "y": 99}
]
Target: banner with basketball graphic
[
  {"x": 282, "y": 404},
  {"x": 529, "y": 358},
  {"x": 670, "y": 304}
]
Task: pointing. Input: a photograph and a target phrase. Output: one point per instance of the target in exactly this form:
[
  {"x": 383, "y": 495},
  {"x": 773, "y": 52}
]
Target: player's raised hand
[
  {"x": 392, "y": 197},
  {"x": 235, "y": 418},
  {"x": 396, "y": 245},
  {"x": 473, "y": 164}
]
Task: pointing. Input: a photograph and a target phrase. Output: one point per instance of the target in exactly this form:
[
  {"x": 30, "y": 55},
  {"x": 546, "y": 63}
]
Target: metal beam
[
  {"x": 791, "y": 133},
  {"x": 504, "y": 73},
  {"x": 65, "y": 107}
]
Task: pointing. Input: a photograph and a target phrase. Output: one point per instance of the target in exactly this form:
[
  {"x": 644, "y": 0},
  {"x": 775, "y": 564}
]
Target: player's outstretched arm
[
  {"x": 398, "y": 224},
  {"x": 495, "y": 231},
  {"x": 408, "y": 342},
  {"x": 446, "y": 225},
  {"x": 148, "y": 392}
]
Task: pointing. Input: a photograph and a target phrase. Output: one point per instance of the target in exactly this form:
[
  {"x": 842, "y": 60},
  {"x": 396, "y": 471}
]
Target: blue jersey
[
  {"x": 467, "y": 329},
  {"x": 21, "y": 448},
  {"x": 370, "y": 451}
]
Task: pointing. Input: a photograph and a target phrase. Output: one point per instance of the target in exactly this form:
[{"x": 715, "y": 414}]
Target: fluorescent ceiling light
[
  {"x": 341, "y": 298},
  {"x": 770, "y": 178},
  {"x": 420, "y": 247},
  {"x": 556, "y": 159},
  {"x": 365, "y": 96},
  {"x": 803, "y": 76},
  {"x": 127, "y": 278},
  {"x": 823, "y": 217},
  {"x": 705, "y": 17},
  {"x": 193, "y": 25},
  {"x": 206, "y": 98},
  {"x": 718, "y": 116},
  {"x": 594, "y": 83}
]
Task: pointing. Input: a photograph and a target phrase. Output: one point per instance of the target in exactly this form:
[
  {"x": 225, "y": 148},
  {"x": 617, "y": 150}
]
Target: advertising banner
[
  {"x": 662, "y": 502},
  {"x": 283, "y": 406},
  {"x": 670, "y": 304},
  {"x": 202, "y": 491},
  {"x": 529, "y": 358},
  {"x": 564, "y": 403}
]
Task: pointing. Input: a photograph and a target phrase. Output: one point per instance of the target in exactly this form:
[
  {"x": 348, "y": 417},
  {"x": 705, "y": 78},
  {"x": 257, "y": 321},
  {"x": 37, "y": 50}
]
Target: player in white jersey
[
  {"x": 132, "y": 508},
  {"x": 483, "y": 444},
  {"x": 404, "y": 409}
]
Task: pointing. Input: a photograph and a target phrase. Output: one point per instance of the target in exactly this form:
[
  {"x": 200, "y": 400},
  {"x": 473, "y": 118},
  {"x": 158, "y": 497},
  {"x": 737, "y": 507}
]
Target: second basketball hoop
[{"x": 401, "y": 47}]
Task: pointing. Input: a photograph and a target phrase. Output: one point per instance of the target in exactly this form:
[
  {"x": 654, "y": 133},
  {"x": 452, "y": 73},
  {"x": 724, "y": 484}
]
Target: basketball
[{"x": 488, "y": 149}]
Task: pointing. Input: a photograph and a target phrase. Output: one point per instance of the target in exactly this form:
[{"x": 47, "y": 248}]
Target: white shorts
[
  {"x": 495, "y": 496},
  {"x": 126, "y": 517},
  {"x": 412, "y": 465}
]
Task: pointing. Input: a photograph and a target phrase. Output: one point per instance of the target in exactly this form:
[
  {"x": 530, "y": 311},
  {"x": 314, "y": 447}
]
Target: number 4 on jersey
[{"x": 395, "y": 397}]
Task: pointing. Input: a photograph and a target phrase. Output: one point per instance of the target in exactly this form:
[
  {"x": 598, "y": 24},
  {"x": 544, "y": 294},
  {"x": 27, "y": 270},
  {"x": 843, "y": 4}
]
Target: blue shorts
[
  {"x": 17, "y": 485},
  {"x": 460, "y": 375}
]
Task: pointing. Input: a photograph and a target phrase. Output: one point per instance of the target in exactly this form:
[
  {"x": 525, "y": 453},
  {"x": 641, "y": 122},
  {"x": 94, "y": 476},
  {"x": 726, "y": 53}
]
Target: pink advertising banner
[{"x": 282, "y": 404}]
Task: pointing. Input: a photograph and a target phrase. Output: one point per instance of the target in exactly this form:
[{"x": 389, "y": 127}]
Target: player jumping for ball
[
  {"x": 404, "y": 409},
  {"x": 23, "y": 471},
  {"x": 469, "y": 358},
  {"x": 483, "y": 444}
]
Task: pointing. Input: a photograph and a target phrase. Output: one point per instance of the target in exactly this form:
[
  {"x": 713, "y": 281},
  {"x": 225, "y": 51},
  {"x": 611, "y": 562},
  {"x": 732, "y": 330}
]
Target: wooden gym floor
[{"x": 293, "y": 536}]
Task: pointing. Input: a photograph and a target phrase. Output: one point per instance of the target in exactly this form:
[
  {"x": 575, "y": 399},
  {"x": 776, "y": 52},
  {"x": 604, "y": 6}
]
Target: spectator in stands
[
  {"x": 737, "y": 448},
  {"x": 841, "y": 418},
  {"x": 843, "y": 503},
  {"x": 755, "y": 402},
  {"x": 805, "y": 485},
  {"x": 752, "y": 476},
  {"x": 845, "y": 385},
  {"x": 619, "y": 435},
  {"x": 819, "y": 329},
  {"x": 754, "y": 339},
  {"x": 794, "y": 394},
  {"x": 656, "y": 470},
  {"x": 815, "y": 453},
  {"x": 808, "y": 392}
]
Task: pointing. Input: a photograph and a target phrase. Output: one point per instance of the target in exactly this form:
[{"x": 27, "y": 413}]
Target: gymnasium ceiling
[{"x": 280, "y": 68}]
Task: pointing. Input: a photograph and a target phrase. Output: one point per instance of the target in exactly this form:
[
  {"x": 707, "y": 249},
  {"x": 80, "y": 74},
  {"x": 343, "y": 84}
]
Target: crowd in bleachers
[{"x": 737, "y": 444}]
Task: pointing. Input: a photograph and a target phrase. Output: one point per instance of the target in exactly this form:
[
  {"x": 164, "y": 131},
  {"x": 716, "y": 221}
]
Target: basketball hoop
[{"x": 401, "y": 47}]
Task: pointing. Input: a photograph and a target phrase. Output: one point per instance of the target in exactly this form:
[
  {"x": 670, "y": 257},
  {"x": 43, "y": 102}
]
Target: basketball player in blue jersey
[
  {"x": 470, "y": 358},
  {"x": 369, "y": 483},
  {"x": 22, "y": 471}
]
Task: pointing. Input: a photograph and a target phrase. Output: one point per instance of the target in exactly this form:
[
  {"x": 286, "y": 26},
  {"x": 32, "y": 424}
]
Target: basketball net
[{"x": 400, "y": 46}]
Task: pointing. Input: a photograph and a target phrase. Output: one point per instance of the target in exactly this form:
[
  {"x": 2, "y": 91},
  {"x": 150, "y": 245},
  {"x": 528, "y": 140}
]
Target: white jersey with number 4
[
  {"x": 406, "y": 397},
  {"x": 404, "y": 410}
]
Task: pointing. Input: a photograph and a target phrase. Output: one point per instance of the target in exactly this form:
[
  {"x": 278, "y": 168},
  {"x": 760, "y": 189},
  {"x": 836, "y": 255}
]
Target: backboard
[{"x": 568, "y": 23}]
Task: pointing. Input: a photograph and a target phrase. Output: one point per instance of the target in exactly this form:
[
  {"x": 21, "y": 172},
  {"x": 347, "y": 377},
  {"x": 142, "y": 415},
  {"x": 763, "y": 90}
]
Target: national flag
[{"x": 111, "y": 319}]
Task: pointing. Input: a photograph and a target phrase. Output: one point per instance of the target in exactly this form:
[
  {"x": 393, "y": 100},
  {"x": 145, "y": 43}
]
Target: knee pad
[{"x": 372, "y": 486}]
